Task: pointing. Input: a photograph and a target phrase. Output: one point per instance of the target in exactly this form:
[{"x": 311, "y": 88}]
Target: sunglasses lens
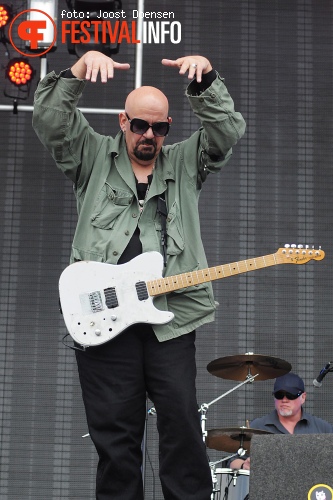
[
  {"x": 139, "y": 126},
  {"x": 281, "y": 394},
  {"x": 161, "y": 129}
]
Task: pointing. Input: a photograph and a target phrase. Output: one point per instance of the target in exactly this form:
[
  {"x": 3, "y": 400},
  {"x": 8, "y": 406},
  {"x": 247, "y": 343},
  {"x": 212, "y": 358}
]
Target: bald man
[{"x": 135, "y": 195}]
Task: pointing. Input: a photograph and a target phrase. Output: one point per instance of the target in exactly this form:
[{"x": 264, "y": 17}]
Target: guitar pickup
[
  {"x": 111, "y": 299},
  {"x": 141, "y": 290}
]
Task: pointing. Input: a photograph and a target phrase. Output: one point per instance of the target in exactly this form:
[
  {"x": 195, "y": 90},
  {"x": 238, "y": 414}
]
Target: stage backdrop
[{"x": 276, "y": 58}]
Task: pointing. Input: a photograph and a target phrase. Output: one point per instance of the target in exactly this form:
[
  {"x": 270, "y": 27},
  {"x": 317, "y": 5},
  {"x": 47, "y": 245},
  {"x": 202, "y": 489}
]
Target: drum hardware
[
  {"x": 213, "y": 469},
  {"x": 205, "y": 406},
  {"x": 203, "y": 411},
  {"x": 152, "y": 411},
  {"x": 232, "y": 484}
]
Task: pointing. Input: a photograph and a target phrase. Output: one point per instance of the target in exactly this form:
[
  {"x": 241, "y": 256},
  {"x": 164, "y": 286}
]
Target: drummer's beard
[{"x": 285, "y": 413}]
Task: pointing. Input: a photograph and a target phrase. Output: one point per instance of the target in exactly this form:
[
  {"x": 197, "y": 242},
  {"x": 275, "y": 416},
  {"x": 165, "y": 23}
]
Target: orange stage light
[
  {"x": 19, "y": 71},
  {"x": 6, "y": 14}
]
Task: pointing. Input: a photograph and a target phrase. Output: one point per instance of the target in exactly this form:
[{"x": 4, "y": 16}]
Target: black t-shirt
[{"x": 134, "y": 246}]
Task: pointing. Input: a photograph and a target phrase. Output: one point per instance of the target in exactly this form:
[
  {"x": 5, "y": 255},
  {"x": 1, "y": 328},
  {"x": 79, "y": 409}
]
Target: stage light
[
  {"x": 6, "y": 14},
  {"x": 90, "y": 10},
  {"x": 19, "y": 74}
]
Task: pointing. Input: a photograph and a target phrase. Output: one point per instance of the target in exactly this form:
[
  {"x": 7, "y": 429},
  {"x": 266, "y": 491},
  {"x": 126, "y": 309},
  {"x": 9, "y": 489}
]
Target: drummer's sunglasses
[
  {"x": 138, "y": 126},
  {"x": 281, "y": 394}
]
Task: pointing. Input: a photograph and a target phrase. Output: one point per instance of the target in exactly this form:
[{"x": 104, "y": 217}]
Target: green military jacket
[{"x": 105, "y": 188}]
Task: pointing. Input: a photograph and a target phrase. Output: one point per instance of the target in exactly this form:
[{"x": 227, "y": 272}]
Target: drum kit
[{"x": 233, "y": 484}]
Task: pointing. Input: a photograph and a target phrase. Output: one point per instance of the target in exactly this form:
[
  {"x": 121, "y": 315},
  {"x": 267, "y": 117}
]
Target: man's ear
[{"x": 122, "y": 121}]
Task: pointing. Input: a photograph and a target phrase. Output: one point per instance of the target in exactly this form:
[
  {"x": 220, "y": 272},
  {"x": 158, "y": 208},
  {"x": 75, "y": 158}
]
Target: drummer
[{"x": 288, "y": 416}]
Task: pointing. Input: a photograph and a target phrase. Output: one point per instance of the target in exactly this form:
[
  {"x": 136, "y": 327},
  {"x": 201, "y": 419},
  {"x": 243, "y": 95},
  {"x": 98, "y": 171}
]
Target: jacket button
[
  {"x": 134, "y": 215},
  {"x": 127, "y": 233},
  {"x": 115, "y": 253}
]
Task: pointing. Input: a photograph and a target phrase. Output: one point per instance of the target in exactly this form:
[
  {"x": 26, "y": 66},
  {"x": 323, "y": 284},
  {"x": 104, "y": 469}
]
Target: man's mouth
[{"x": 147, "y": 143}]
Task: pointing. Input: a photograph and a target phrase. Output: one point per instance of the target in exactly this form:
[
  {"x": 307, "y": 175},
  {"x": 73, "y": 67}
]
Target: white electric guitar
[{"x": 100, "y": 300}]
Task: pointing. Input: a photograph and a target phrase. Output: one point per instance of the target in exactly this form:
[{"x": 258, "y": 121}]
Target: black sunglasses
[
  {"x": 138, "y": 126},
  {"x": 281, "y": 394}
]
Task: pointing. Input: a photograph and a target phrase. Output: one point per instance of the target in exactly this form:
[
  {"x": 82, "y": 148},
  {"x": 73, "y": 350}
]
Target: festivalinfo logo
[{"x": 36, "y": 28}]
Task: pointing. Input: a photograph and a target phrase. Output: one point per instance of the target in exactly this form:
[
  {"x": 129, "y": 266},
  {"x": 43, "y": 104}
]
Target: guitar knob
[
  {"x": 98, "y": 332},
  {"x": 113, "y": 317}
]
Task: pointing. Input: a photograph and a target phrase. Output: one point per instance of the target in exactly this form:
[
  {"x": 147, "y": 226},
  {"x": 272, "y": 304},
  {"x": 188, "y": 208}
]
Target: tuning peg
[
  {"x": 299, "y": 246},
  {"x": 293, "y": 245},
  {"x": 286, "y": 245}
]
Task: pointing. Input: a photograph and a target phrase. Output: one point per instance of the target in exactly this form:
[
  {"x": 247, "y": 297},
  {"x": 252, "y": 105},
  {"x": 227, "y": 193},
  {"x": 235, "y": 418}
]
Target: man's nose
[{"x": 149, "y": 133}]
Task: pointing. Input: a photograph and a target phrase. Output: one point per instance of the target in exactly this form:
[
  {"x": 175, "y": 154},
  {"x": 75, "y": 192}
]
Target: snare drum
[{"x": 232, "y": 484}]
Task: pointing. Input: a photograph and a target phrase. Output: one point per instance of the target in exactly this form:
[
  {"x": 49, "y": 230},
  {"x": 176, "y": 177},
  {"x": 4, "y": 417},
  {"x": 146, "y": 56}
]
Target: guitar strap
[{"x": 162, "y": 210}]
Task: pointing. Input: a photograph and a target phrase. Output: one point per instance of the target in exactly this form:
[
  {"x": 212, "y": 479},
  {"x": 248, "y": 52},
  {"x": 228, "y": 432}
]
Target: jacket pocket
[
  {"x": 109, "y": 205},
  {"x": 175, "y": 233}
]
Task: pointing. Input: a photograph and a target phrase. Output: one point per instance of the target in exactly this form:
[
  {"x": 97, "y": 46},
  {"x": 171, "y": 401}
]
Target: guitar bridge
[
  {"x": 95, "y": 301},
  {"x": 141, "y": 290}
]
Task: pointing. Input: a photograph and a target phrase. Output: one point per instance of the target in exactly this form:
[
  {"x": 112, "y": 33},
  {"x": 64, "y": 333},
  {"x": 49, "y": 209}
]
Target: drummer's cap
[{"x": 290, "y": 383}]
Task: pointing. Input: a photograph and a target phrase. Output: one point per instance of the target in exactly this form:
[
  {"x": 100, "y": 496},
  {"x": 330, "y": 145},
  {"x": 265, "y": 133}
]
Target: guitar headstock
[{"x": 299, "y": 254}]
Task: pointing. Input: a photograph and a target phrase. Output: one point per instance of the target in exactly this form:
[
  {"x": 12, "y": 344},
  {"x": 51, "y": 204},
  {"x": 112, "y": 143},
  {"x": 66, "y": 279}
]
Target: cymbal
[
  {"x": 231, "y": 439},
  {"x": 238, "y": 367}
]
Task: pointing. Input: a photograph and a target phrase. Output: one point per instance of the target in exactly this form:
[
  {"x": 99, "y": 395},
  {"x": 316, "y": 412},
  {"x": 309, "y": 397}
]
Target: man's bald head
[{"x": 147, "y": 100}]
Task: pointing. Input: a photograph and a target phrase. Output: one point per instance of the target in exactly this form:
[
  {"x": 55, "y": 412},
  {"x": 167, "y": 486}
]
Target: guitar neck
[{"x": 171, "y": 283}]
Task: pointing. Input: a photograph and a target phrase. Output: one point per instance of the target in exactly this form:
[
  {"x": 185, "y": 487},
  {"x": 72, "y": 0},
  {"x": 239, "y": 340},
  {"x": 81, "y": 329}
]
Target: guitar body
[{"x": 99, "y": 301}]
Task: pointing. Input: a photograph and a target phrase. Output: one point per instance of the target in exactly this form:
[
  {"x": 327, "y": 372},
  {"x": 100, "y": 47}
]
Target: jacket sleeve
[
  {"x": 222, "y": 126},
  {"x": 61, "y": 127}
]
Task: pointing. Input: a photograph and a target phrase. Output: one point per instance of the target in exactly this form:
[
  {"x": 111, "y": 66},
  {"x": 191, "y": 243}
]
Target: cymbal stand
[{"x": 205, "y": 406}]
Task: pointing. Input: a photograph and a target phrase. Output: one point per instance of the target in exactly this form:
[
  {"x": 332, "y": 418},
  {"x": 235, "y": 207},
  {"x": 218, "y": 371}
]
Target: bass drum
[{"x": 232, "y": 484}]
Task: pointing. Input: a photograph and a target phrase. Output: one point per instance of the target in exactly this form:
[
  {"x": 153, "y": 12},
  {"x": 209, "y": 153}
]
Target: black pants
[{"x": 115, "y": 379}]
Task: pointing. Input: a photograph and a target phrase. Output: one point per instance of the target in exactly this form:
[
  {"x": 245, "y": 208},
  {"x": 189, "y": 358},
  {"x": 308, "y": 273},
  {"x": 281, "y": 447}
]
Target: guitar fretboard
[{"x": 172, "y": 283}]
